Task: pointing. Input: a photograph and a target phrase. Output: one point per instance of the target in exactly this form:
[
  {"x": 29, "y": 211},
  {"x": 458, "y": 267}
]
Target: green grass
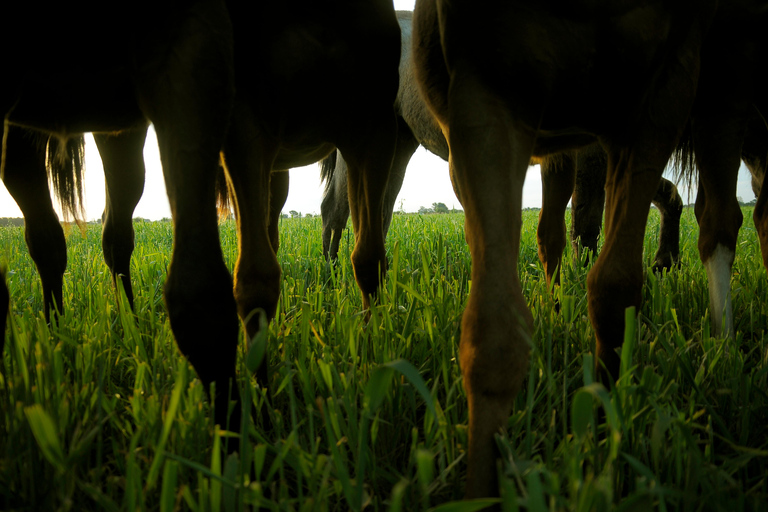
[{"x": 100, "y": 411}]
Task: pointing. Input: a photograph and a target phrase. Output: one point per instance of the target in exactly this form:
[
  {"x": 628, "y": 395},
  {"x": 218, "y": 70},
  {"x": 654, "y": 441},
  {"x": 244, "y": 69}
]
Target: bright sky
[{"x": 426, "y": 182}]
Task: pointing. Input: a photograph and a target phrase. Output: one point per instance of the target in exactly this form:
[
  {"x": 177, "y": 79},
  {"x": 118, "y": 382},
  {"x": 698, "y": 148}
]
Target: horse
[
  {"x": 171, "y": 64},
  {"x": 549, "y": 85},
  {"x": 279, "y": 123},
  {"x": 582, "y": 177},
  {"x": 25, "y": 177}
]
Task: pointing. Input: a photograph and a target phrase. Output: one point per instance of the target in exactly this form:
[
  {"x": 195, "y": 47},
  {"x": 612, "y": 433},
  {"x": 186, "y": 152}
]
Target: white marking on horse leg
[{"x": 719, "y": 276}]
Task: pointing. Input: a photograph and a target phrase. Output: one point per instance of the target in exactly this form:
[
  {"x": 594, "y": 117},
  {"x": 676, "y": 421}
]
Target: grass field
[{"x": 100, "y": 411}]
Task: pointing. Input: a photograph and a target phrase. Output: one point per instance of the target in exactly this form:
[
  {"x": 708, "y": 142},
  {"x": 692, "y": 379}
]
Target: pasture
[{"x": 101, "y": 411}]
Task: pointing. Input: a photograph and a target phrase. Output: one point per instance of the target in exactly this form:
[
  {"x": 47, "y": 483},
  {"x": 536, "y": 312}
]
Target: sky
[{"x": 426, "y": 182}]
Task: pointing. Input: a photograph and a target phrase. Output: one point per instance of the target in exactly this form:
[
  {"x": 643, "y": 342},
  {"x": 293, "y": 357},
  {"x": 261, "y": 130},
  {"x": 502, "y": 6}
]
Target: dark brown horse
[
  {"x": 169, "y": 63},
  {"x": 26, "y": 179},
  {"x": 550, "y": 84}
]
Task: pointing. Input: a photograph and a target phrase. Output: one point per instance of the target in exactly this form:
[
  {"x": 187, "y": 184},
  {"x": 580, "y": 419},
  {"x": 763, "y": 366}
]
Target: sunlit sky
[{"x": 426, "y": 182}]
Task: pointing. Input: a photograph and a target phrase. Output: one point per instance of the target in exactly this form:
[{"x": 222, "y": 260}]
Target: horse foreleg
[
  {"x": 335, "y": 209},
  {"x": 27, "y": 182},
  {"x": 123, "y": 160},
  {"x": 188, "y": 96},
  {"x": 670, "y": 206},
  {"x": 369, "y": 155},
  {"x": 249, "y": 160},
  {"x": 588, "y": 200},
  {"x": 489, "y": 159},
  {"x": 278, "y": 194},
  {"x": 557, "y": 181}
]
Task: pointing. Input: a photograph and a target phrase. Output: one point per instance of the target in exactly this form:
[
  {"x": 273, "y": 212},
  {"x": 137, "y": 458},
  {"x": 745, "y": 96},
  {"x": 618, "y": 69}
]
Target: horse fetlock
[
  {"x": 257, "y": 290},
  {"x": 370, "y": 268}
]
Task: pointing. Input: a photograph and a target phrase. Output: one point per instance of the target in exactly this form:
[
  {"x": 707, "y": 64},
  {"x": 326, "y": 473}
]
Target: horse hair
[{"x": 65, "y": 163}]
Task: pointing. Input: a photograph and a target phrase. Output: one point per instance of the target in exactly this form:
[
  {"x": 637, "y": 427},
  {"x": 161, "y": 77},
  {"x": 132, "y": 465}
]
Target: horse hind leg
[
  {"x": 27, "y": 182},
  {"x": 588, "y": 200},
  {"x": 670, "y": 206},
  {"x": 335, "y": 209},
  {"x": 123, "y": 162},
  {"x": 405, "y": 147},
  {"x": 278, "y": 194},
  {"x": 557, "y": 181},
  {"x": 717, "y": 147}
]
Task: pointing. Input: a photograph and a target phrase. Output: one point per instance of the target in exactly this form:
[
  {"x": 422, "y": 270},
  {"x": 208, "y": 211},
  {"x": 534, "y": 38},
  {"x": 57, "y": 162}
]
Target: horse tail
[
  {"x": 683, "y": 159},
  {"x": 223, "y": 195},
  {"x": 327, "y": 169},
  {"x": 65, "y": 163}
]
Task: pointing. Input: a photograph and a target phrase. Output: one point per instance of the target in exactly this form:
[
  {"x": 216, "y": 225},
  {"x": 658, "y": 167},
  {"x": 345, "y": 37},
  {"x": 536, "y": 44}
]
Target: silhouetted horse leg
[
  {"x": 278, "y": 194},
  {"x": 404, "y": 149},
  {"x": 123, "y": 159},
  {"x": 616, "y": 279},
  {"x": 754, "y": 153},
  {"x": 257, "y": 272},
  {"x": 190, "y": 107},
  {"x": 335, "y": 207},
  {"x": 489, "y": 159},
  {"x": 27, "y": 182},
  {"x": 717, "y": 147},
  {"x": 588, "y": 200},
  {"x": 369, "y": 155},
  {"x": 557, "y": 181},
  {"x": 5, "y": 302},
  {"x": 670, "y": 207}
]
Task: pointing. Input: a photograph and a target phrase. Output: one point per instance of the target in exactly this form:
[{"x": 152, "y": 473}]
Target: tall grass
[{"x": 100, "y": 411}]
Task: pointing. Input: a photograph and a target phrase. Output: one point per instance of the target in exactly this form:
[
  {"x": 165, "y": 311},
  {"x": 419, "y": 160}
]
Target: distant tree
[
  {"x": 424, "y": 210},
  {"x": 165, "y": 219},
  {"x": 740, "y": 200},
  {"x": 308, "y": 215},
  {"x": 439, "y": 208},
  {"x": 295, "y": 214},
  {"x": 283, "y": 215}
]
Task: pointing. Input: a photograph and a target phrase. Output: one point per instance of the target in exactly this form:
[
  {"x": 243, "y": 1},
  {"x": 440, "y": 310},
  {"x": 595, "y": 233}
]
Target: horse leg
[
  {"x": 488, "y": 164},
  {"x": 335, "y": 209},
  {"x": 754, "y": 152},
  {"x": 405, "y": 147},
  {"x": 670, "y": 206},
  {"x": 123, "y": 159},
  {"x": 369, "y": 155},
  {"x": 717, "y": 144},
  {"x": 249, "y": 160},
  {"x": 5, "y": 302},
  {"x": 588, "y": 199},
  {"x": 27, "y": 182},
  {"x": 188, "y": 96},
  {"x": 557, "y": 181},
  {"x": 278, "y": 194}
]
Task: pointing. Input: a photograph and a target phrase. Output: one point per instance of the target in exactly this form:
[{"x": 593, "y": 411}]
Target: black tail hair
[
  {"x": 65, "y": 163},
  {"x": 684, "y": 159},
  {"x": 327, "y": 169},
  {"x": 223, "y": 195}
]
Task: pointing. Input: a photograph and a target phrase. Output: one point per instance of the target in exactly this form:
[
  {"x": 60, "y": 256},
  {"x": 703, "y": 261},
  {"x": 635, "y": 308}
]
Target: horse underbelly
[
  {"x": 290, "y": 157},
  {"x": 98, "y": 104}
]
